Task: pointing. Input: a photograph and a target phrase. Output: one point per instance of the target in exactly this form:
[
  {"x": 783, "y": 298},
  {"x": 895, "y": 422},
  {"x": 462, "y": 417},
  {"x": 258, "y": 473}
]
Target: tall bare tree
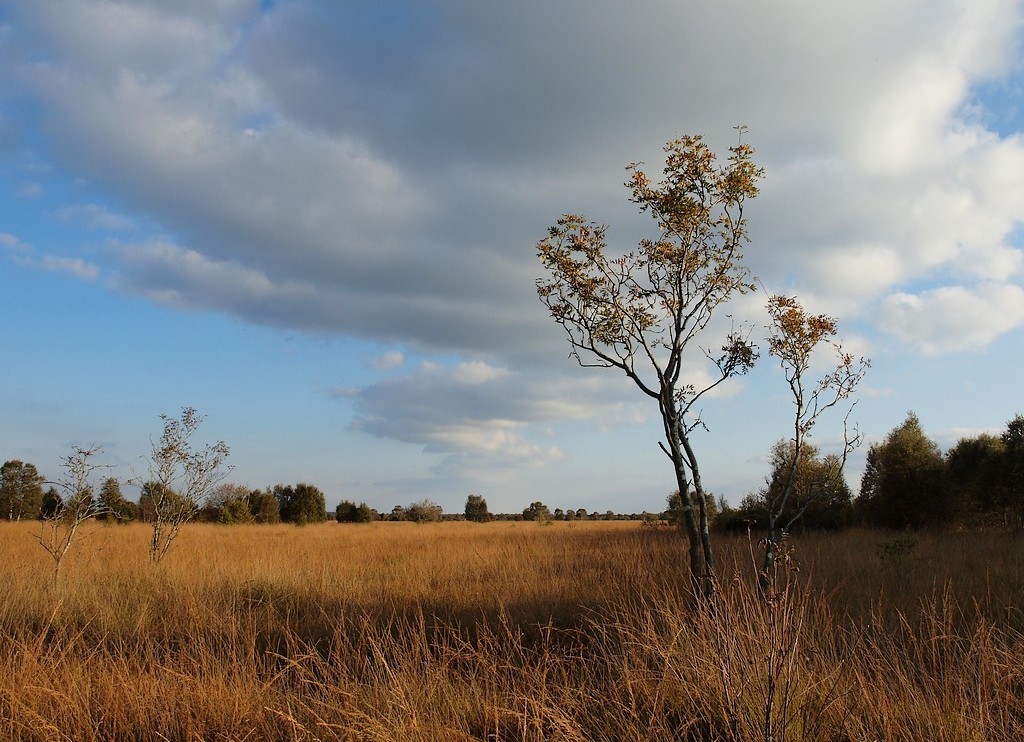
[
  {"x": 181, "y": 477},
  {"x": 644, "y": 312}
]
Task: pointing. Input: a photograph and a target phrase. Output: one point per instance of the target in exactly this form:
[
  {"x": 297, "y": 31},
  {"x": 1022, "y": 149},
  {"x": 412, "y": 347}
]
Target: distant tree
[
  {"x": 234, "y": 512},
  {"x": 476, "y": 509},
  {"x": 537, "y": 511},
  {"x": 301, "y": 504},
  {"x": 154, "y": 495},
  {"x": 647, "y": 313},
  {"x": 182, "y": 477},
  {"x": 115, "y": 506},
  {"x": 1012, "y": 473},
  {"x": 264, "y": 506},
  {"x": 228, "y": 504},
  {"x": 21, "y": 490},
  {"x": 675, "y": 511},
  {"x": 975, "y": 467},
  {"x": 819, "y": 496},
  {"x": 987, "y": 473},
  {"x": 349, "y": 512},
  {"x": 345, "y": 512},
  {"x": 904, "y": 483},
  {"x": 423, "y": 511},
  {"x": 52, "y": 504}
]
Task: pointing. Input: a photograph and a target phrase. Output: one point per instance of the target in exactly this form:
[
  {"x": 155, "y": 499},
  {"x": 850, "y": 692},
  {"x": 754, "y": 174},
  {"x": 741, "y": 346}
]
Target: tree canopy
[
  {"x": 476, "y": 509},
  {"x": 21, "y": 490},
  {"x": 904, "y": 483},
  {"x": 301, "y": 504}
]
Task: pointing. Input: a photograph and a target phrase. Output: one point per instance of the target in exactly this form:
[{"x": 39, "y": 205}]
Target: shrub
[{"x": 348, "y": 512}]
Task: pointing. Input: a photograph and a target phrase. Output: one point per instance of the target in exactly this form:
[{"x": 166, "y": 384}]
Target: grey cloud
[
  {"x": 483, "y": 409},
  {"x": 452, "y": 321},
  {"x": 384, "y": 169}
]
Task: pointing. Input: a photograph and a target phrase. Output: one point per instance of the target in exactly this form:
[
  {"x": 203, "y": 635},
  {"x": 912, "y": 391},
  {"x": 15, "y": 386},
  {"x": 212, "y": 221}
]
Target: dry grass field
[{"x": 507, "y": 631}]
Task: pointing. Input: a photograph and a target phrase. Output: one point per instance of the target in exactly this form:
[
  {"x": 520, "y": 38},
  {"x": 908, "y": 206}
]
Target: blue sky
[{"x": 315, "y": 222}]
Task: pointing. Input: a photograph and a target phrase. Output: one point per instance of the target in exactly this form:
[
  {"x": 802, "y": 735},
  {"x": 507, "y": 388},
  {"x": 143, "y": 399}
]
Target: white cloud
[
  {"x": 849, "y": 275},
  {"x": 24, "y": 254},
  {"x": 14, "y": 244},
  {"x": 954, "y": 318},
  {"x": 388, "y": 361},
  {"x": 31, "y": 190},
  {"x": 95, "y": 216},
  {"x": 476, "y": 411},
  {"x": 475, "y": 373},
  {"x": 73, "y": 266}
]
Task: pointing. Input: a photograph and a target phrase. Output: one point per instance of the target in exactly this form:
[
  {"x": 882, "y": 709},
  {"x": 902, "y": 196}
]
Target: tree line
[
  {"x": 908, "y": 483},
  {"x": 27, "y": 495}
]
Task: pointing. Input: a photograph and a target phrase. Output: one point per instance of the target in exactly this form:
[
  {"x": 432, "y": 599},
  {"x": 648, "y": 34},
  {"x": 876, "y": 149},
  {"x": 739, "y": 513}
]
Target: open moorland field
[{"x": 507, "y": 631}]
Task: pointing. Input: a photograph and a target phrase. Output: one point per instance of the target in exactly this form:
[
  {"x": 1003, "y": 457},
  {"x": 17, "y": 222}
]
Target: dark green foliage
[
  {"x": 988, "y": 475},
  {"x": 537, "y": 511},
  {"x": 52, "y": 504},
  {"x": 113, "y": 505},
  {"x": 156, "y": 498},
  {"x": 234, "y": 511},
  {"x": 348, "y": 512},
  {"x": 819, "y": 498},
  {"x": 264, "y": 507},
  {"x": 301, "y": 504},
  {"x": 229, "y": 504},
  {"x": 21, "y": 491},
  {"x": 904, "y": 483},
  {"x": 675, "y": 514},
  {"x": 476, "y": 509}
]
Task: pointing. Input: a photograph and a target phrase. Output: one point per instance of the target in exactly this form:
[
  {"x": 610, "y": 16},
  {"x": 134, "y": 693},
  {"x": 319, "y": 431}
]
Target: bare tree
[
  {"x": 62, "y": 525},
  {"x": 180, "y": 479},
  {"x": 643, "y": 312},
  {"x": 794, "y": 335}
]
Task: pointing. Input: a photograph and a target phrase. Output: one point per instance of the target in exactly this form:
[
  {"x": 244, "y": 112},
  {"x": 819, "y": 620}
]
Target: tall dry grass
[{"x": 507, "y": 631}]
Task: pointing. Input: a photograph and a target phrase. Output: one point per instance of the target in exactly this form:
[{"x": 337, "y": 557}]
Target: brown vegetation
[{"x": 507, "y": 631}]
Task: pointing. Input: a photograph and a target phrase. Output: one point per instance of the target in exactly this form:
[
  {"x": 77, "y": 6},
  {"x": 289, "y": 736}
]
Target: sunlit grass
[{"x": 574, "y": 631}]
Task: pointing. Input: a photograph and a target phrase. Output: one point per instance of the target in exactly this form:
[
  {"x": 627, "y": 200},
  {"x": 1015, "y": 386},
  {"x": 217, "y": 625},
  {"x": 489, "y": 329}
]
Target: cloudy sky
[{"x": 316, "y": 222}]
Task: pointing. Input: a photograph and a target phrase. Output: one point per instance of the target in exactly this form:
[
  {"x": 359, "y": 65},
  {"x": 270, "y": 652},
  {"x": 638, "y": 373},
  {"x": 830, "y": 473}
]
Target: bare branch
[{"x": 181, "y": 477}]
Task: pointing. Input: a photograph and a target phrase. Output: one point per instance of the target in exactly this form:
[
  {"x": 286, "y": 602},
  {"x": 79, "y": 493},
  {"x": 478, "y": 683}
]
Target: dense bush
[{"x": 348, "y": 512}]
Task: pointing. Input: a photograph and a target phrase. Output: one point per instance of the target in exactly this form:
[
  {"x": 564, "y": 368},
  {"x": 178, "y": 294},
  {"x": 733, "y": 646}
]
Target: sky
[{"x": 316, "y": 223}]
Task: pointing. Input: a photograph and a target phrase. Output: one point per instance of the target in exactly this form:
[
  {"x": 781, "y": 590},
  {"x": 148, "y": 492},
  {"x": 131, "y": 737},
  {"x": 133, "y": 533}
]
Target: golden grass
[{"x": 506, "y": 631}]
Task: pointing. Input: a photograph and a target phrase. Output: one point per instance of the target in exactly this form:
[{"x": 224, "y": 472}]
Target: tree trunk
[
  {"x": 695, "y": 516},
  {"x": 707, "y": 576}
]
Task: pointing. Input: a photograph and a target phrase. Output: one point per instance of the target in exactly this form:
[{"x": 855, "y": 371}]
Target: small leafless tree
[
  {"x": 60, "y": 528},
  {"x": 180, "y": 478},
  {"x": 794, "y": 335}
]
